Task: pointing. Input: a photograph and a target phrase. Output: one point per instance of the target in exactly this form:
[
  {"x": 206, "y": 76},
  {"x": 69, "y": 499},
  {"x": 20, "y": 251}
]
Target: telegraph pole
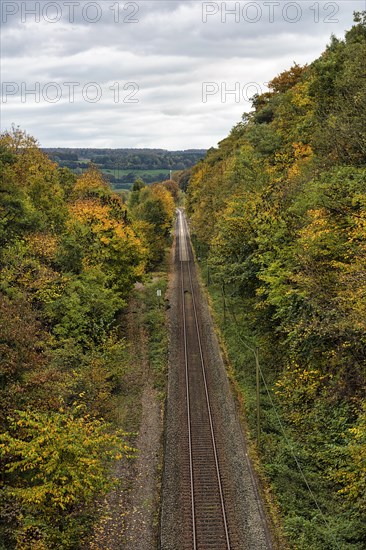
[{"x": 258, "y": 396}]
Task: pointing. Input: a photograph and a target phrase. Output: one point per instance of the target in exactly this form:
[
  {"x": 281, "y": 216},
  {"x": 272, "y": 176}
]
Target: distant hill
[{"x": 123, "y": 166}]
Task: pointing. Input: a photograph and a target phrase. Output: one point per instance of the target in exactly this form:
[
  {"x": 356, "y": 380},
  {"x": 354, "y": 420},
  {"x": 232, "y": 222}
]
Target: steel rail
[{"x": 187, "y": 390}]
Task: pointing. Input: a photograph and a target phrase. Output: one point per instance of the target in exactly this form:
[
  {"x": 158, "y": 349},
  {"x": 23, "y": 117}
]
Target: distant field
[
  {"x": 123, "y": 166},
  {"x": 124, "y": 178},
  {"x": 137, "y": 173}
]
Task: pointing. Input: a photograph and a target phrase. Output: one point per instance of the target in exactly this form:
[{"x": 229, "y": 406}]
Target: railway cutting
[{"x": 210, "y": 494}]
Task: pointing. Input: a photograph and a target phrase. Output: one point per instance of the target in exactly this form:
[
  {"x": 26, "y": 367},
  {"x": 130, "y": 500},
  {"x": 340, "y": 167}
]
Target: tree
[
  {"x": 95, "y": 238},
  {"x": 172, "y": 187},
  {"x": 153, "y": 219},
  {"x": 33, "y": 180},
  {"x": 288, "y": 79},
  {"x": 55, "y": 464},
  {"x": 135, "y": 193}
]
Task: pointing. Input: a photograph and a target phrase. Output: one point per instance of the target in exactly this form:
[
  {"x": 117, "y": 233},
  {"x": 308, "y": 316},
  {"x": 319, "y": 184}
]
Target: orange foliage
[{"x": 287, "y": 79}]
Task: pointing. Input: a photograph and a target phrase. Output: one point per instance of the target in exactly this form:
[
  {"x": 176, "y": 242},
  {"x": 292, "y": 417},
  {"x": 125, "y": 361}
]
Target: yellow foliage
[
  {"x": 167, "y": 200},
  {"x": 316, "y": 229},
  {"x": 89, "y": 181},
  {"x": 92, "y": 213},
  {"x": 302, "y": 150},
  {"x": 298, "y": 388},
  {"x": 300, "y": 95},
  {"x": 114, "y": 239},
  {"x": 42, "y": 245}
]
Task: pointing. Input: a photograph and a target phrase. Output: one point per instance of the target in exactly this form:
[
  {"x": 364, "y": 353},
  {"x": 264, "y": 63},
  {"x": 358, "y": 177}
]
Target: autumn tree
[{"x": 55, "y": 464}]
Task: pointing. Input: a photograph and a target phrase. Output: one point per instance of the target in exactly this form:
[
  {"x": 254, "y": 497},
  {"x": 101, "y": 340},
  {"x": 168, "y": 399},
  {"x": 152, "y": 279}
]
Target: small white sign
[{"x": 158, "y": 293}]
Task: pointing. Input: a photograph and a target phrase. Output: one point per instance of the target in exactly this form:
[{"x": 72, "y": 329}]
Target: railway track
[{"x": 207, "y": 509}]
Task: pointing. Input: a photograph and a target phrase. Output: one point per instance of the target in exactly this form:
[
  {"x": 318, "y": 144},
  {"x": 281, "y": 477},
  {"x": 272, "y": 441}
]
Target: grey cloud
[
  {"x": 177, "y": 29},
  {"x": 169, "y": 53}
]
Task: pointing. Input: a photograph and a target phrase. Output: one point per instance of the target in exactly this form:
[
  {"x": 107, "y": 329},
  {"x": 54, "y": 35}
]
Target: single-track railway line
[{"x": 204, "y": 483}]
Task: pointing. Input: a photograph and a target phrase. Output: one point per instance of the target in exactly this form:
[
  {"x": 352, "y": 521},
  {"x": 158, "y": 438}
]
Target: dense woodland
[
  {"x": 71, "y": 252},
  {"x": 279, "y": 214}
]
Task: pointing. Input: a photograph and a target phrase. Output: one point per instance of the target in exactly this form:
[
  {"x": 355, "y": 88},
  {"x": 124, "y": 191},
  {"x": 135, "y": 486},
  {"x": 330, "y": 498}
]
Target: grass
[
  {"x": 148, "y": 176},
  {"x": 155, "y": 322},
  {"x": 149, "y": 312},
  {"x": 137, "y": 171},
  {"x": 157, "y": 174}
]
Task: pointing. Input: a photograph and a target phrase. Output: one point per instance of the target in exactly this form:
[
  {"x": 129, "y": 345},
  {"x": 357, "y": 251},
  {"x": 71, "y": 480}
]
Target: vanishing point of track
[{"x": 207, "y": 513}]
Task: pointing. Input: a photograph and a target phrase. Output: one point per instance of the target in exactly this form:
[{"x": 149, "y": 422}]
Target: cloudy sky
[{"x": 153, "y": 73}]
